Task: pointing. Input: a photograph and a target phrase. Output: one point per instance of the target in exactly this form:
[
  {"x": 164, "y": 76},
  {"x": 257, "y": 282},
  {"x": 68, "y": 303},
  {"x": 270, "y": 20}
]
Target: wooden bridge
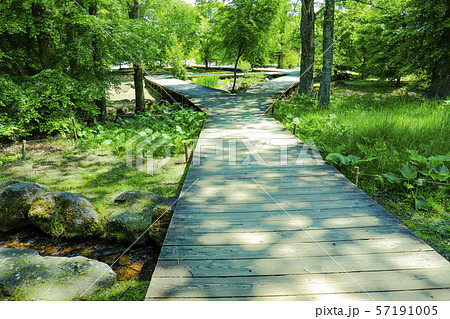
[{"x": 263, "y": 217}]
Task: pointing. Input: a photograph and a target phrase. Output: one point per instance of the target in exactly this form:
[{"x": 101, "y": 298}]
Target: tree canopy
[{"x": 56, "y": 55}]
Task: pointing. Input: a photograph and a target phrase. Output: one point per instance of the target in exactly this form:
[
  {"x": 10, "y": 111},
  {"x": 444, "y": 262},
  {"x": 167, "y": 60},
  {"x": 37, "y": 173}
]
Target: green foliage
[
  {"x": 44, "y": 103},
  {"x": 173, "y": 125},
  {"x": 254, "y": 78},
  {"x": 244, "y": 66},
  {"x": 209, "y": 44},
  {"x": 421, "y": 170},
  {"x": 175, "y": 53},
  {"x": 209, "y": 80},
  {"x": 377, "y": 128},
  {"x": 245, "y": 26}
]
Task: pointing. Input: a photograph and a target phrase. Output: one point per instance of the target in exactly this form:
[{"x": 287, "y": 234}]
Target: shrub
[{"x": 44, "y": 103}]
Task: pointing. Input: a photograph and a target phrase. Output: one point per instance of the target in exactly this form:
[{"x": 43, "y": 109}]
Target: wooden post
[
  {"x": 24, "y": 149},
  {"x": 186, "y": 155},
  {"x": 355, "y": 175},
  {"x": 74, "y": 128},
  {"x": 295, "y": 128}
]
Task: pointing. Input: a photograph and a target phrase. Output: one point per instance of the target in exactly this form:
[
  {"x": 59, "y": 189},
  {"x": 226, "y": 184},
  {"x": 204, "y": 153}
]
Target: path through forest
[{"x": 262, "y": 217}]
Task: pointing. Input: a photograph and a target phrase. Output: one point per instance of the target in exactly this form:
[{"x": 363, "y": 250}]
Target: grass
[
  {"x": 213, "y": 81},
  {"x": 132, "y": 290},
  {"x": 383, "y": 126}
]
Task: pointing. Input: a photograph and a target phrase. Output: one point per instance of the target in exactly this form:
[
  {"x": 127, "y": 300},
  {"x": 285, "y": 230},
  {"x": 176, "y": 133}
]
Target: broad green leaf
[
  {"x": 353, "y": 159},
  {"x": 442, "y": 170},
  {"x": 338, "y": 158},
  {"x": 409, "y": 171},
  {"x": 392, "y": 178},
  {"x": 420, "y": 202}
]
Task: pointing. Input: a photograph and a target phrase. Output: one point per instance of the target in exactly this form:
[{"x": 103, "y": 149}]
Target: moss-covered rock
[
  {"x": 15, "y": 202},
  {"x": 24, "y": 275},
  {"x": 133, "y": 196},
  {"x": 161, "y": 216},
  {"x": 62, "y": 214},
  {"x": 132, "y": 217}
]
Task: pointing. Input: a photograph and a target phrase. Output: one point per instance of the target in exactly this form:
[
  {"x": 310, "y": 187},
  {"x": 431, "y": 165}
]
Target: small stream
[{"x": 136, "y": 263}]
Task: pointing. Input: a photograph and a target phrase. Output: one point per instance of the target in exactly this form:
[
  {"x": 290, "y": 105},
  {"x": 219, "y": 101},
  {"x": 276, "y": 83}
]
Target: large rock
[
  {"x": 63, "y": 214},
  {"x": 132, "y": 216},
  {"x": 25, "y": 275},
  {"x": 15, "y": 202},
  {"x": 161, "y": 217}
]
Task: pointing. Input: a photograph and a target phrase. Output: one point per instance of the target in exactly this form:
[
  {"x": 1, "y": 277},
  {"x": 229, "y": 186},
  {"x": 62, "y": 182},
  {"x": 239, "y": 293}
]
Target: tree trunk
[
  {"x": 47, "y": 50},
  {"x": 280, "y": 60},
  {"x": 138, "y": 74},
  {"x": 235, "y": 66},
  {"x": 97, "y": 60},
  {"x": 306, "y": 84},
  {"x": 327, "y": 66},
  {"x": 440, "y": 83}
]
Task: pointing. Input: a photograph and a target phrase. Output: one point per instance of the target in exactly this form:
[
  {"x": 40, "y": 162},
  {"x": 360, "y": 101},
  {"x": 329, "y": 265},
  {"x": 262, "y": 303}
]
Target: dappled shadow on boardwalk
[{"x": 263, "y": 217}]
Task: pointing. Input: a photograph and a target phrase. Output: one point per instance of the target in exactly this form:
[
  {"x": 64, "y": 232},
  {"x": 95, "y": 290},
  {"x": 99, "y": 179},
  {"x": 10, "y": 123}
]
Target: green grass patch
[
  {"x": 210, "y": 80},
  {"x": 398, "y": 140},
  {"x": 127, "y": 290}
]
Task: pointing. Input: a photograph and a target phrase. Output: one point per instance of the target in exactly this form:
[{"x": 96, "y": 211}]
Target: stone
[
  {"x": 25, "y": 275},
  {"x": 62, "y": 214},
  {"x": 132, "y": 217},
  {"x": 15, "y": 202},
  {"x": 161, "y": 216},
  {"x": 132, "y": 196}
]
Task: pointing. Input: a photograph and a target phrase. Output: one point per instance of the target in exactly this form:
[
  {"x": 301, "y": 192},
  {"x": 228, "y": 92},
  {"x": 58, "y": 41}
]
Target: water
[{"x": 136, "y": 263}]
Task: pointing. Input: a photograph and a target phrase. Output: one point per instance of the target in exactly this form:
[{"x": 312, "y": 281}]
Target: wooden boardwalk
[{"x": 262, "y": 217}]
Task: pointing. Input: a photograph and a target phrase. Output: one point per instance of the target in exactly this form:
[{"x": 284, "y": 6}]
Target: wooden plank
[
  {"x": 403, "y": 295},
  {"x": 268, "y": 175},
  {"x": 253, "y": 189},
  {"x": 270, "y": 237},
  {"x": 279, "y": 222},
  {"x": 269, "y": 185},
  {"x": 272, "y": 206},
  {"x": 299, "y": 266},
  {"x": 286, "y": 250},
  {"x": 329, "y": 215},
  {"x": 301, "y": 285},
  {"x": 267, "y": 198},
  {"x": 292, "y": 181}
]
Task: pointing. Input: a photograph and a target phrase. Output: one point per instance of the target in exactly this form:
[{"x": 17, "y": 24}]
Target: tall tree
[
  {"x": 98, "y": 63},
  {"x": 138, "y": 72},
  {"x": 306, "y": 84},
  {"x": 327, "y": 63},
  {"x": 208, "y": 34},
  {"x": 245, "y": 25},
  {"x": 47, "y": 50}
]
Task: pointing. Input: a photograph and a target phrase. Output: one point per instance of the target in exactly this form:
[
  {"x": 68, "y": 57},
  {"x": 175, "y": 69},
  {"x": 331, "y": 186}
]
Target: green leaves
[
  {"x": 171, "y": 125},
  {"x": 409, "y": 171},
  {"x": 421, "y": 170}
]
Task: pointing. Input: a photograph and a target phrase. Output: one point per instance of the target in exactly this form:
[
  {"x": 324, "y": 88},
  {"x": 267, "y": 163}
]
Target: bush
[{"x": 44, "y": 103}]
